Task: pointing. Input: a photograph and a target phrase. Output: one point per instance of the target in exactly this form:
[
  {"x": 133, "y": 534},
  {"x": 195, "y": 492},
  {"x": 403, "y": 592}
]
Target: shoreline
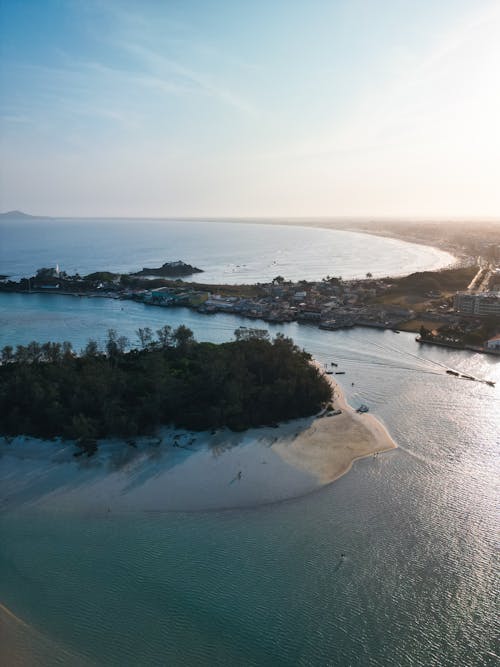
[
  {"x": 352, "y": 436},
  {"x": 354, "y": 227},
  {"x": 191, "y": 471},
  {"x": 439, "y": 245}
]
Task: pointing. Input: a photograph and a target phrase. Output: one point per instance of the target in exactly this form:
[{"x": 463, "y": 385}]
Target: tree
[
  {"x": 91, "y": 349},
  {"x": 52, "y": 352},
  {"x": 248, "y": 382},
  {"x": 7, "y": 354},
  {"x": 112, "y": 343},
  {"x": 33, "y": 351},
  {"x": 145, "y": 336},
  {"x": 182, "y": 337},
  {"x": 67, "y": 350},
  {"x": 21, "y": 354},
  {"x": 122, "y": 344},
  {"x": 279, "y": 280},
  {"x": 165, "y": 336},
  {"x": 369, "y": 275}
]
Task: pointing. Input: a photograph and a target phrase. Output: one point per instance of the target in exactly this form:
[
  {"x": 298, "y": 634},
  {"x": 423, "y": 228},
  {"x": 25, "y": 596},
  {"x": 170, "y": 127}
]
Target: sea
[
  {"x": 227, "y": 253},
  {"x": 418, "y": 526}
]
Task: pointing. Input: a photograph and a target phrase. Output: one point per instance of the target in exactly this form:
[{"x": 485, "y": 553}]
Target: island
[
  {"x": 175, "y": 424},
  {"x": 19, "y": 215},
  {"x": 48, "y": 391},
  {"x": 169, "y": 270}
]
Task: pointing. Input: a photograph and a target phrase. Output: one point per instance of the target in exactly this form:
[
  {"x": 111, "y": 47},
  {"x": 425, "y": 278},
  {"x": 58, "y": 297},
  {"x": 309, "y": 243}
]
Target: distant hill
[{"x": 19, "y": 215}]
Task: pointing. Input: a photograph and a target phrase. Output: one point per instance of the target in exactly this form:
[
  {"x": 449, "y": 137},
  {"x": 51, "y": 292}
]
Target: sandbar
[
  {"x": 331, "y": 444},
  {"x": 190, "y": 471}
]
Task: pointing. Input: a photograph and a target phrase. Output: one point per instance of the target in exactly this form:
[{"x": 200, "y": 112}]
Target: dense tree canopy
[{"x": 47, "y": 390}]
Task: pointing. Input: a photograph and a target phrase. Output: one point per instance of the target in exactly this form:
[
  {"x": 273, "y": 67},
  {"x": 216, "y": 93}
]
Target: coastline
[
  {"x": 191, "y": 471},
  {"x": 332, "y": 444},
  {"x": 442, "y": 244}
]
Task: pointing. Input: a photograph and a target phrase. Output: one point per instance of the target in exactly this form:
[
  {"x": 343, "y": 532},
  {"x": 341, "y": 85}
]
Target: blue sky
[{"x": 340, "y": 108}]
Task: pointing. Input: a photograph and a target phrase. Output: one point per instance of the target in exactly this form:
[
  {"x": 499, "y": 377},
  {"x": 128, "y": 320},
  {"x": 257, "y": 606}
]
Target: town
[{"x": 456, "y": 307}]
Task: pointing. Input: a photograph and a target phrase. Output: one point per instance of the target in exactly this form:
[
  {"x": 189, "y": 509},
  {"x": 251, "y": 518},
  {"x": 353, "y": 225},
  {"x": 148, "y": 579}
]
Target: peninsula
[{"x": 458, "y": 306}]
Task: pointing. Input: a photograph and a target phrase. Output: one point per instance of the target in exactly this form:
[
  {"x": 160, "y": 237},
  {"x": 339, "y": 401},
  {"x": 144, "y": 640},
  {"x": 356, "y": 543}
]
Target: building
[
  {"x": 477, "y": 303},
  {"x": 493, "y": 343}
]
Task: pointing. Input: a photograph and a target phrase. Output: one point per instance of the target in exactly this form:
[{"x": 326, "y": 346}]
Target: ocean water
[
  {"x": 267, "y": 586},
  {"x": 228, "y": 253}
]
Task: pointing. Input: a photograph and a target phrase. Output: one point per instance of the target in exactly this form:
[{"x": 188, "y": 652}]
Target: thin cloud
[{"x": 202, "y": 82}]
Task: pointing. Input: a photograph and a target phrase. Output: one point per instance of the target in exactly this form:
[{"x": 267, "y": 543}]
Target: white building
[{"x": 477, "y": 303}]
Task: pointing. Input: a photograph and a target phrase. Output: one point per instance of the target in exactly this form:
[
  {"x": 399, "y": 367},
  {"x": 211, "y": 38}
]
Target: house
[{"x": 493, "y": 343}]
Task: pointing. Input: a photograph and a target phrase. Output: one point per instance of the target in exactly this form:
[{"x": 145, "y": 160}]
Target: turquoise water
[
  {"x": 267, "y": 586},
  {"x": 228, "y": 253}
]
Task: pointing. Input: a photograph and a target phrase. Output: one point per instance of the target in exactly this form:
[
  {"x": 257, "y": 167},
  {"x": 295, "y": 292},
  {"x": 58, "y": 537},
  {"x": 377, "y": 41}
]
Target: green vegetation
[
  {"x": 102, "y": 276},
  {"x": 461, "y": 333},
  {"x": 243, "y": 291},
  {"x": 46, "y": 390},
  {"x": 422, "y": 282}
]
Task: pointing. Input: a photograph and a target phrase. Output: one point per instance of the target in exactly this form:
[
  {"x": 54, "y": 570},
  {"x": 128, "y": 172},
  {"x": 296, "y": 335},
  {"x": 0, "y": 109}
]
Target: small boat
[
  {"x": 450, "y": 372},
  {"x": 329, "y": 372},
  {"x": 334, "y": 364},
  {"x": 395, "y": 331},
  {"x": 339, "y": 372},
  {"x": 468, "y": 377},
  {"x": 363, "y": 408},
  {"x": 490, "y": 382}
]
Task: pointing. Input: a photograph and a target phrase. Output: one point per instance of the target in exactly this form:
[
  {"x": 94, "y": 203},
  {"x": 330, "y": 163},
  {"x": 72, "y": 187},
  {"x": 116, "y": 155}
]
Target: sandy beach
[
  {"x": 190, "y": 471},
  {"x": 330, "y": 445}
]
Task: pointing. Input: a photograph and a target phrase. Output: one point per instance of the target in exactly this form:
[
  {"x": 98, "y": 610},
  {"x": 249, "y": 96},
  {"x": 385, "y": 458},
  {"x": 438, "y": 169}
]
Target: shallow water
[{"x": 268, "y": 586}]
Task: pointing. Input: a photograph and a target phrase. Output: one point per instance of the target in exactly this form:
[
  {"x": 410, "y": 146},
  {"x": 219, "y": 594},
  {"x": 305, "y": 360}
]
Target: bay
[
  {"x": 228, "y": 253},
  {"x": 264, "y": 586}
]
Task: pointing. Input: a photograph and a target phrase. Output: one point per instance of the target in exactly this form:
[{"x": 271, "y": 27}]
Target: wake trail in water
[
  {"x": 387, "y": 364},
  {"x": 422, "y": 360}
]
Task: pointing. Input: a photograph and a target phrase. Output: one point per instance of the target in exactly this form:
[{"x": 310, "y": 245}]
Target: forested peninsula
[{"x": 48, "y": 390}]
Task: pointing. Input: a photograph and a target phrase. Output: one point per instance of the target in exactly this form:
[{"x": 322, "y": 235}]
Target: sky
[{"x": 277, "y": 108}]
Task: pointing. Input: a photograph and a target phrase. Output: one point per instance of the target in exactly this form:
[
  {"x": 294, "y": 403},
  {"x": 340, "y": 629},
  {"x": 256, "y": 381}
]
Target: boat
[
  {"x": 490, "y": 382},
  {"x": 468, "y": 377},
  {"x": 334, "y": 364},
  {"x": 450, "y": 372},
  {"x": 329, "y": 372},
  {"x": 363, "y": 408},
  {"x": 339, "y": 372}
]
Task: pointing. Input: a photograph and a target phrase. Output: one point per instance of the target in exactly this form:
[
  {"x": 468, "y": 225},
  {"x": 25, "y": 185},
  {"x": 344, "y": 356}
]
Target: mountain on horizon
[{"x": 19, "y": 215}]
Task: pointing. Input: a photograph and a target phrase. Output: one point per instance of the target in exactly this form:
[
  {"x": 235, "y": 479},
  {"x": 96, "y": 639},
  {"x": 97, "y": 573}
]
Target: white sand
[
  {"x": 330, "y": 445},
  {"x": 190, "y": 471}
]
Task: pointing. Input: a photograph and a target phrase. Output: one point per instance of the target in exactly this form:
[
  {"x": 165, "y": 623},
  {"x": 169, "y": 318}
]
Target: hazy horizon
[
  {"x": 329, "y": 110},
  {"x": 264, "y": 218}
]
